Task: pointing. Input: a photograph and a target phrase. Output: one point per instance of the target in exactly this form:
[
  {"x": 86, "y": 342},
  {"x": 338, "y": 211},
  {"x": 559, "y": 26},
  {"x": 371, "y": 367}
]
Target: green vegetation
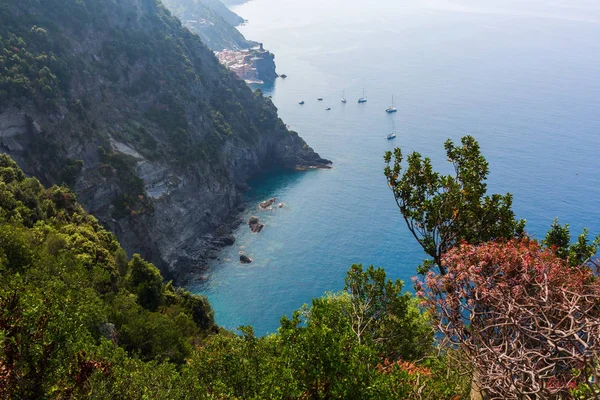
[
  {"x": 26, "y": 74},
  {"x": 520, "y": 317},
  {"x": 443, "y": 210},
  {"x": 66, "y": 285},
  {"x": 558, "y": 239},
  {"x": 80, "y": 319}
]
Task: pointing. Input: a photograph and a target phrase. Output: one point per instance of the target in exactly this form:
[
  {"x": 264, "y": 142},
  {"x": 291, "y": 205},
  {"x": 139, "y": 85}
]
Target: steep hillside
[
  {"x": 78, "y": 320},
  {"x": 133, "y": 111},
  {"x": 69, "y": 291},
  {"x": 212, "y": 21},
  {"x": 224, "y": 12}
]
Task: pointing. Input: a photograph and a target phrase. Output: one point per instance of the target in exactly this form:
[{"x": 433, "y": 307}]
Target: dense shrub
[{"x": 527, "y": 320}]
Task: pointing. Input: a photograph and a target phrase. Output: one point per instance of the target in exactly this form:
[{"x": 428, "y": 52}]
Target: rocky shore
[{"x": 160, "y": 156}]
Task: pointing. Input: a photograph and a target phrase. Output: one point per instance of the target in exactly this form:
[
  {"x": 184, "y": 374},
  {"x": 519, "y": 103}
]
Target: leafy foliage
[
  {"x": 381, "y": 314},
  {"x": 26, "y": 73},
  {"x": 316, "y": 355},
  {"x": 443, "y": 210},
  {"x": 558, "y": 239},
  {"x": 64, "y": 282},
  {"x": 79, "y": 319}
]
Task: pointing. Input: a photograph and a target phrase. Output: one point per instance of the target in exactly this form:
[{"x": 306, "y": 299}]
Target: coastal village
[{"x": 255, "y": 66}]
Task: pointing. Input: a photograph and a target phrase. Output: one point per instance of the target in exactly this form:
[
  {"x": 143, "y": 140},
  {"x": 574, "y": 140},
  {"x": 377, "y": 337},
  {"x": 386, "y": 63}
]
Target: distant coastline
[
  {"x": 230, "y": 3},
  {"x": 256, "y": 66},
  {"x": 216, "y": 24}
]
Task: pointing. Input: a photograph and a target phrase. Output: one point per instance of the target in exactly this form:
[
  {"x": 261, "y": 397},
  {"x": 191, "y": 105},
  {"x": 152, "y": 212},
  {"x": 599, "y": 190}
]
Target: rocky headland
[
  {"x": 155, "y": 137},
  {"x": 212, "y": 21},
  {"x": 255, "y": 66}
]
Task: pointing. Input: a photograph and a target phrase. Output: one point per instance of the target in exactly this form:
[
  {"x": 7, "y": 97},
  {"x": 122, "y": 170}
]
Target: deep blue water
[{"x": 523, "y": 77}]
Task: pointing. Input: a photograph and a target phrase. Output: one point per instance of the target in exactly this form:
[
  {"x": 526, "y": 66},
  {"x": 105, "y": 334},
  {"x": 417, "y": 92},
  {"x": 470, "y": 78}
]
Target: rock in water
[
  {"x": 266, "y": 204},
  {"x": 255, "y": 225},
  {"x": 228, "y": 240},
  {"x": 280, "y": 205},
  {"x": 244, "y": 259}
]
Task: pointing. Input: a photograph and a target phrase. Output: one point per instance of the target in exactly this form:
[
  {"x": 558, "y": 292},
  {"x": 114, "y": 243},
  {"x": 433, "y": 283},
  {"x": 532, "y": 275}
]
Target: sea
[{"x": 522, "y": 77}]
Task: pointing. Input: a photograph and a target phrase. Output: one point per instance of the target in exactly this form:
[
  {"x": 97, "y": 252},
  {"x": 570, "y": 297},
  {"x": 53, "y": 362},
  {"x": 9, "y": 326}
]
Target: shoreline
[{"x": 223, "y": 236}]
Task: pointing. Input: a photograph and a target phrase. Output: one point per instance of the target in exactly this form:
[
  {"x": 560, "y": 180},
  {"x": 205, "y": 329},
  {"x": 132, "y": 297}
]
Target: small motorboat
[
  {"x": 343, "y": 96},
  {"x": 301, "y": 102},
  {"x": 328, "y": 108},
  {"x": 320, "y": 99},
  {"x": 283, "y": 76}
]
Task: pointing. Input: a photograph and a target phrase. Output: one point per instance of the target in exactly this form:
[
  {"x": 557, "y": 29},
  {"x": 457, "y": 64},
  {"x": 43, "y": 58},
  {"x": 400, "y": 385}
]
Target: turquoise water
[{"x": 521, "y": 76}]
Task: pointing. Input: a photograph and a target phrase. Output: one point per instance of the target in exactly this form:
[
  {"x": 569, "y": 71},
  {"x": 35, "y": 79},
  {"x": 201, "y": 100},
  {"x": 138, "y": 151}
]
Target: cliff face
[
  {"x": 221, "y": 9},
  {"x": 265, "y": 65},
  {"x": 118, "y": 100}
]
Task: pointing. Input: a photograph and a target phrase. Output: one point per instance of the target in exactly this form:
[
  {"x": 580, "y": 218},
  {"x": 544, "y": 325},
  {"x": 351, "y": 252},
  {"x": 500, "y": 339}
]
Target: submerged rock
[
  {"x": 255, "y": 224},
  {"x": 244, "y": 259}
]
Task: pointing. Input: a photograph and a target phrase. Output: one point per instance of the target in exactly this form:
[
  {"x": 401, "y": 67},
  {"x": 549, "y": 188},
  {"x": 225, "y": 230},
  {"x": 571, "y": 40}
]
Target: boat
[
  {"x": 283, "y": 76},
  {"x": 391, "y": 109},
  {"x": 363, "y": 99},
  {"x": 392, "y": 135},
  {"x": 328, "y": 108},
  {"x": 301, "y": 102},
  {"x": 343, "y": 97},
  {"x": 320, "y": 99}
]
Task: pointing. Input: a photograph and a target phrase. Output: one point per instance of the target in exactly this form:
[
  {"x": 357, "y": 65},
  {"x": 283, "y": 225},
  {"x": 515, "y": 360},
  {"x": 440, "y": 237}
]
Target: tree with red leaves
[{"x": 528, "y": 322}]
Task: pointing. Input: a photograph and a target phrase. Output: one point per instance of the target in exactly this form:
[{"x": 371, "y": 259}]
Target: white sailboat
[
  {"x": 363, "y": 99},
  {"x": 391, "y": 109},
  {"x": 343, "y": 96},
  {"x": 393, "y": 134}
]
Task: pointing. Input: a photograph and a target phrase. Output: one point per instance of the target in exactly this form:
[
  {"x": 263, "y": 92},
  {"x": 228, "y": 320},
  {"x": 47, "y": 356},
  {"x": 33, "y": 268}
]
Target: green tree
[
  {"x": 443, "y": 210},
  {"x": 380, "y": 313},
  {"x": 558, "y": 239},
  {"x": 145, "y": 280}
]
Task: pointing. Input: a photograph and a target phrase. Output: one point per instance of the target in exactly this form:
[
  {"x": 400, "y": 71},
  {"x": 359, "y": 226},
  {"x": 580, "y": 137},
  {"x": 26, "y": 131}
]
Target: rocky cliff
[
  {"x": 212, "y": 21},
  {"x": 224, "y": 12},
  {"x": 134, "y": 112}
]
